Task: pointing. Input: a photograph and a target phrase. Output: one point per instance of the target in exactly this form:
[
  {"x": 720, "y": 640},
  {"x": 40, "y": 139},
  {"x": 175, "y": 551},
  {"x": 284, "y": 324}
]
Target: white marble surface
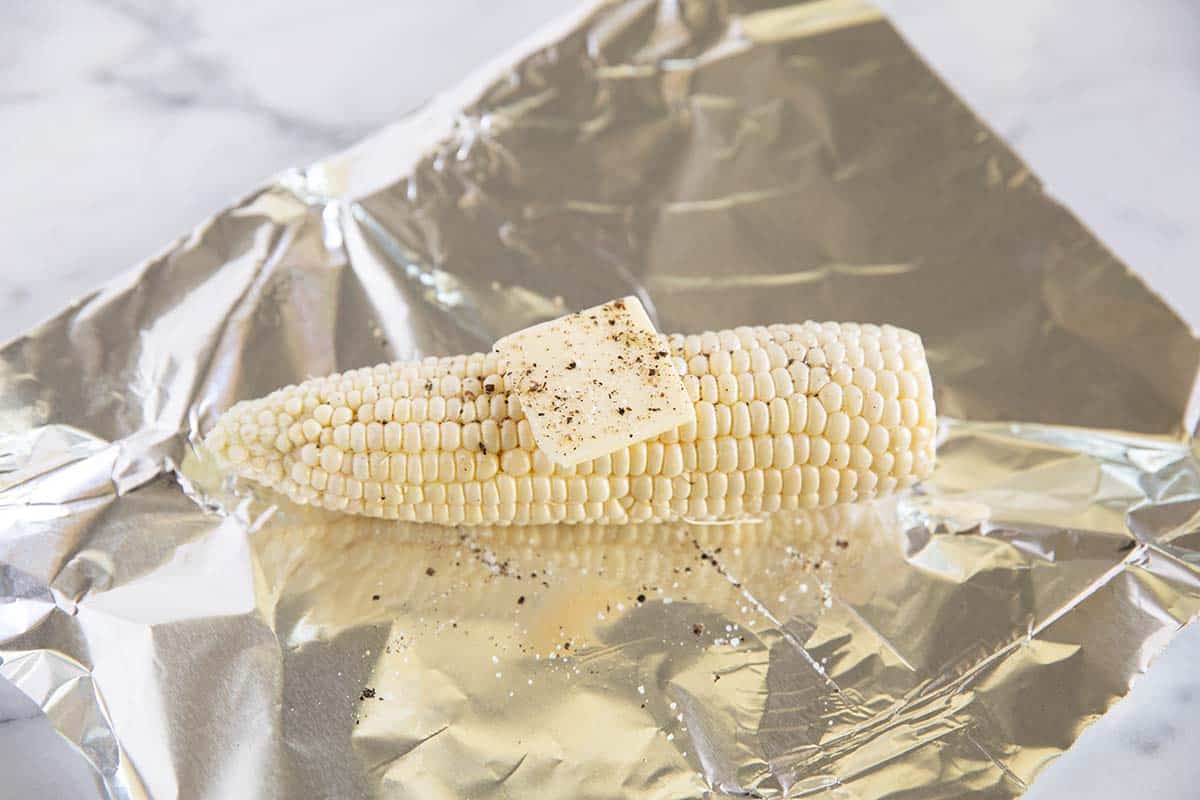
[{"x": 125, "y": 122}]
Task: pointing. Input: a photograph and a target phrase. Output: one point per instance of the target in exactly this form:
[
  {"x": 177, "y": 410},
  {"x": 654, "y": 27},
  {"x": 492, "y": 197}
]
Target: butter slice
[{"x": 594, "y": 382}]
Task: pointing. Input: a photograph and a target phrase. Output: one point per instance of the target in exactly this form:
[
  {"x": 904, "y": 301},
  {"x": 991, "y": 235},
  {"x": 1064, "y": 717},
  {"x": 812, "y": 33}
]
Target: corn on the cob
[{"x": 787, "y": 416}]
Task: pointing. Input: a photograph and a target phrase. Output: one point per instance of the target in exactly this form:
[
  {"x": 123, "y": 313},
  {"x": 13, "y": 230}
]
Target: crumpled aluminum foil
[{"x": 731, "y": 162}]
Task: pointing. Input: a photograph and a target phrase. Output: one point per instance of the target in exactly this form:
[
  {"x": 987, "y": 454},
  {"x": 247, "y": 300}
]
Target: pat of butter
[{"x": 595, "y": 382}]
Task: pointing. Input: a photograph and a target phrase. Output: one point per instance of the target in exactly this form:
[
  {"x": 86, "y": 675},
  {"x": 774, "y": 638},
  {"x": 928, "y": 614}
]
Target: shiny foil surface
[{"x": 731, "y": 162}]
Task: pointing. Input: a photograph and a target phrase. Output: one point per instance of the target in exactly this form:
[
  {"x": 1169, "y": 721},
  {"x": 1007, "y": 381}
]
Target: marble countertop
[{"x": 125, "y": 122}]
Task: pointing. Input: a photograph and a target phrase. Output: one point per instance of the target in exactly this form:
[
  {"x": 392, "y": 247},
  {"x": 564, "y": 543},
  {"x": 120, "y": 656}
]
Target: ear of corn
[{"x": 787, "y": 416}]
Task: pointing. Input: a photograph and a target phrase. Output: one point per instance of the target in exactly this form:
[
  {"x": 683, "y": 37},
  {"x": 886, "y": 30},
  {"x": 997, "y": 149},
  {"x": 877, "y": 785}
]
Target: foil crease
[{"x": 733, "y": 162}]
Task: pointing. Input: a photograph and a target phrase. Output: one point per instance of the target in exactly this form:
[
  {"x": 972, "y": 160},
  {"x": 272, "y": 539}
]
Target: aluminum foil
[{"x": 731, "y": 162}]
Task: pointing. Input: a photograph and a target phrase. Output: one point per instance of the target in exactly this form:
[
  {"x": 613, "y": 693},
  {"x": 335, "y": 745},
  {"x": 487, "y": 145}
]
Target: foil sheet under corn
[{"x": 730, "y": 163}]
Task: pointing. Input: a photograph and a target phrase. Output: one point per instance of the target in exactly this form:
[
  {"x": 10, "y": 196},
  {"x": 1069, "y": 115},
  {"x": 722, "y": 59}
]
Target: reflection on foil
[
  {"x": 640, "y": 628},
  {"x": 731, "y": 163},
  {"x": 755, "y": 281}
]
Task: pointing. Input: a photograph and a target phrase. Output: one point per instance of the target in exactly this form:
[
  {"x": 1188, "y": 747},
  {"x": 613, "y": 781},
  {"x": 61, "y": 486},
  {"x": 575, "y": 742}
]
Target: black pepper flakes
[
  {"x": 698, "y": 628},
  {"x": 430, "y": 571}
]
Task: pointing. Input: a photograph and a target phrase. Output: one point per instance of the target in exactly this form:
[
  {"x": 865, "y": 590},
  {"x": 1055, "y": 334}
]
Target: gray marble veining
[{"x": 125, "y": 122}]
